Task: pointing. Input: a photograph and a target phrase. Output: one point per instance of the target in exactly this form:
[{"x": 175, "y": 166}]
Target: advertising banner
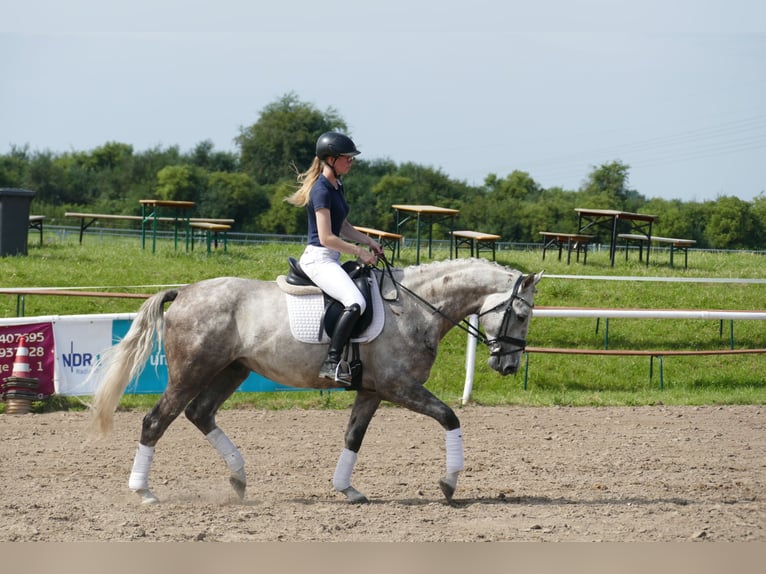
[
  {"x": 79, "y": 341},
  {"x": 64, "y": 349},
  {"x": 39, "y": 342}
]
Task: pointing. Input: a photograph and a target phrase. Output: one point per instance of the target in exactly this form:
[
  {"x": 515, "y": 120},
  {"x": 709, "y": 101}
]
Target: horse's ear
[{"x": 532, "y": 279}]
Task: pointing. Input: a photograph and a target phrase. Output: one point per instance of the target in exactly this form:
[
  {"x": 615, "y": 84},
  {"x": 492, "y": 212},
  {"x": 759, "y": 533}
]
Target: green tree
[
  {"x": 389, "y": 190},
  {"x": 144, "y": 169},
  {"x": 46, "y": 178},
  {"x": 65, "y": 179},
  {"x": 554, "y": 210},
  {"x": 360, "y": 183},
  {"x": 503, "y": 205},
  {"x": 431, "y": 186},
  {"x": 204, "y": 155},
  {"x": 14, "y": 167},
  {"x": 233, "y": 195},
  {"x": 181, "y": 182},
  {"x": 759, "y": 215},
  {"x": 110, "y": 168},
  {"x": 283, "y": 139},
  {"x": 731, "y": 224},
  {"x": 673, "y": 219},
  {"x": 606, "y": 187},
  {"x": 110, "y": 156},
  {"x": 518, "y": 186},
  {"x": 282, "y": 217}
]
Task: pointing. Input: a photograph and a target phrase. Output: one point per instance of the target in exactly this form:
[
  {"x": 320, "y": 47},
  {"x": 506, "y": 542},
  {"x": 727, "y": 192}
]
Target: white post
[{"x": 470, "y": 358}]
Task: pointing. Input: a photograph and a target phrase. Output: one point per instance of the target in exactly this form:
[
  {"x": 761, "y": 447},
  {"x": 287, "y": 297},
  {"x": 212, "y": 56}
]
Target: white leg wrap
[
  {"x": 341, "y": 480},
  {"x": 220, "y": 442},
  {"x": 139, "y": 476},
  {"x": 454, "y": 441}
]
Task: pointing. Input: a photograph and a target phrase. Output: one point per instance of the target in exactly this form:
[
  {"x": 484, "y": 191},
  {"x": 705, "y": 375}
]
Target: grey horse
[{"x": 219, "y": 330}]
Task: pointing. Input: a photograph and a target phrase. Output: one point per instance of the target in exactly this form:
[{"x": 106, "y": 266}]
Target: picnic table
[
  {"x": 639, "y": 224},
  {"x": 425, "y": 215},
  {"x": 558, "y": 240},
  {"x": 150, "y": 214},
  {"x": 476, "y": 241}
]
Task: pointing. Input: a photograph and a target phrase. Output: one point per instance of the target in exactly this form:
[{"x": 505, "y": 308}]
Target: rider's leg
[
  {"x": 331, "y": 368},
  {"x": 322, "y": 265}
]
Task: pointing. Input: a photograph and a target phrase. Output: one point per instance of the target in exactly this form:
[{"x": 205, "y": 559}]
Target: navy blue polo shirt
[{"x": 324, "y": 195}]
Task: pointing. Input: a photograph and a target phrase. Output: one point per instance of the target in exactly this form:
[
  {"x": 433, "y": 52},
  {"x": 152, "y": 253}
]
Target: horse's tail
[{"x": 124, "y": 362}]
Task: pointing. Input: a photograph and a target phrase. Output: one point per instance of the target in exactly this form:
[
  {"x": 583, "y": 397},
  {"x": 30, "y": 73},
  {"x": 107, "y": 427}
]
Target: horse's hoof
[
  {"x": 146, "y": 496},
  {"x": 448, "y": 485},
  {"x": 238, "y": 483},
  {"x": 354, "y": 496}
]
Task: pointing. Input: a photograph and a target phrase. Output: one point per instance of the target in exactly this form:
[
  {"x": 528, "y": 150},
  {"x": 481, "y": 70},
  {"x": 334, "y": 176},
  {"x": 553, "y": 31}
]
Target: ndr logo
[{"x": 76, "y": 360}]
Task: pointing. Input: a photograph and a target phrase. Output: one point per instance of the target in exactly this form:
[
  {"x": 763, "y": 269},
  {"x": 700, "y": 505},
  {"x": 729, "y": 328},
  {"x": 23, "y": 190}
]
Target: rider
[{"x": 321, "y": 192}]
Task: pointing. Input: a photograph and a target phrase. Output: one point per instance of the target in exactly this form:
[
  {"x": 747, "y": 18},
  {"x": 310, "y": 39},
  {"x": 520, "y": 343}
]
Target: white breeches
[{"x": 322, "y": 265}]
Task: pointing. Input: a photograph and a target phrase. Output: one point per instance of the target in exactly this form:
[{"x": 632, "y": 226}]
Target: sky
[{"x": 675, "y": 89}]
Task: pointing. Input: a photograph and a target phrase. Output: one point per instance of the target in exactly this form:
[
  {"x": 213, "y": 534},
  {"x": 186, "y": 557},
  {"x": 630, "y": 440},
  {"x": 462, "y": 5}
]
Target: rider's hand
[
  {"x": 376, "y": 249},
  {"x": 368, "y": 258}
]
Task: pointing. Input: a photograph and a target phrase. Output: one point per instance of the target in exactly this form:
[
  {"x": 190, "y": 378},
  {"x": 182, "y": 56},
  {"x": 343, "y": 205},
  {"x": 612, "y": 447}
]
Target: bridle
[{"x": 495, "y": 345}]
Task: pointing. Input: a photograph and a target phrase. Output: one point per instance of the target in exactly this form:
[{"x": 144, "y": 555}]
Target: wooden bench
[
  {"x": 675, "y": 245},
  {"x": 212, "y": 230},
  {"x": 385, "y": 238},
  {"x": 659, "y": 354},
  {"x": 576, "y": 241},
  {"x": 476, "y": 240},
  {"x": 88, "y": 219},
  {"x": 36, "y": 222}
]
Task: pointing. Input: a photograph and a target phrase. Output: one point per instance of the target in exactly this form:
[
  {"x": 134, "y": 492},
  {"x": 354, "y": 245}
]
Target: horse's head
[{"x": 505, "y": 318}]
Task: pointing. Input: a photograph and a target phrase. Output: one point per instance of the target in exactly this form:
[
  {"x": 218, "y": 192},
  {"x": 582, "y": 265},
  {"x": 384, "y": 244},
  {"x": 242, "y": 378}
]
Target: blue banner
[{"x": 154, "y": 378}]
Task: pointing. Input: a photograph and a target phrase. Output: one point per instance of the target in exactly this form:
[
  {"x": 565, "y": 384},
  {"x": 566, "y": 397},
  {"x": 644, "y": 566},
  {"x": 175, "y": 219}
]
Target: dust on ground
[{"x": 532, "y": 474}]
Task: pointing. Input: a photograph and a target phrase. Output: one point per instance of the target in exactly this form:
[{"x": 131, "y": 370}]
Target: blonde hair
[{"x": 306, "y": 180}]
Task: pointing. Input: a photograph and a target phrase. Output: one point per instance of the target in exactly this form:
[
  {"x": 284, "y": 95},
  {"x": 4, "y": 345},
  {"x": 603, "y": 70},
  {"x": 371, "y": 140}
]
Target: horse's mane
[
  {"x": 473, "y": 270},
  {"x": 461, "y": 263}
]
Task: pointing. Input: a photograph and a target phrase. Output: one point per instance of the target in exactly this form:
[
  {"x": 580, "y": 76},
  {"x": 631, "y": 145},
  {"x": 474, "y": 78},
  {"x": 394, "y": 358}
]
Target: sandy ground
[{"x": 532, "y": 474}]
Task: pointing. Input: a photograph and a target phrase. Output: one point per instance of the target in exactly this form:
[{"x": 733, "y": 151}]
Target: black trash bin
[{"x": 14, "y": 220}]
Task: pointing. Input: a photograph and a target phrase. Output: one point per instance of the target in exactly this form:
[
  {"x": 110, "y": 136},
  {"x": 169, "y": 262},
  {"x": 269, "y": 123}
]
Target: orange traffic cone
[
  {"x": 19, "y": 390},
  {"x": 21, "y": 366}
]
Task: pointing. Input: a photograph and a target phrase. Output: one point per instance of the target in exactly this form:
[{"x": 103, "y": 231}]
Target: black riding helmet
[{"x": 334, "y": 144}]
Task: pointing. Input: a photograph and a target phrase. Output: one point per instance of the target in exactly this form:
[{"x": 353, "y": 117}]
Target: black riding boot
[{"x": 332, "y": 368}]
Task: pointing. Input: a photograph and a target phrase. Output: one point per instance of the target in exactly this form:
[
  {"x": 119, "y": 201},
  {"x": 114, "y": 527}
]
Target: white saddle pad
[{"x": 305, "y": 309}]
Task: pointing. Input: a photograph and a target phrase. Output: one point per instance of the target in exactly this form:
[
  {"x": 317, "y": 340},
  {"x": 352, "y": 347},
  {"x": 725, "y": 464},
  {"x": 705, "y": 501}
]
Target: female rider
[{"x": 321, "y": 192}]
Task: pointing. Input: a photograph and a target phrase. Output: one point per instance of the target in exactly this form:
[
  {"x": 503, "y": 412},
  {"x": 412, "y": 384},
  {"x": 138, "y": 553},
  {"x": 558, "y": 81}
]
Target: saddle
[{"x": 333, "y": 308}]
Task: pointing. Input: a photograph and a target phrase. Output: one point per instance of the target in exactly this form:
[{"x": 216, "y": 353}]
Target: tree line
[{"x": 250, "y": 185}]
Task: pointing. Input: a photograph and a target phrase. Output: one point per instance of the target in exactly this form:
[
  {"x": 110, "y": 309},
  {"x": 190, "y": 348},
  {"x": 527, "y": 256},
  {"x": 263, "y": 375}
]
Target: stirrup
[{"x": 343, "y": 373}]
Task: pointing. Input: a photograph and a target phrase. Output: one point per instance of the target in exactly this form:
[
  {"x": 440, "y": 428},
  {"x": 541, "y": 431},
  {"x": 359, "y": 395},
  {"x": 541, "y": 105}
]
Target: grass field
[{"x": 118, "y": 264}]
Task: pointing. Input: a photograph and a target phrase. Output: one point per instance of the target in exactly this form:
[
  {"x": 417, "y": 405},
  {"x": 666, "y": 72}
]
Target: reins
[{"x": 492, "y": 344}]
